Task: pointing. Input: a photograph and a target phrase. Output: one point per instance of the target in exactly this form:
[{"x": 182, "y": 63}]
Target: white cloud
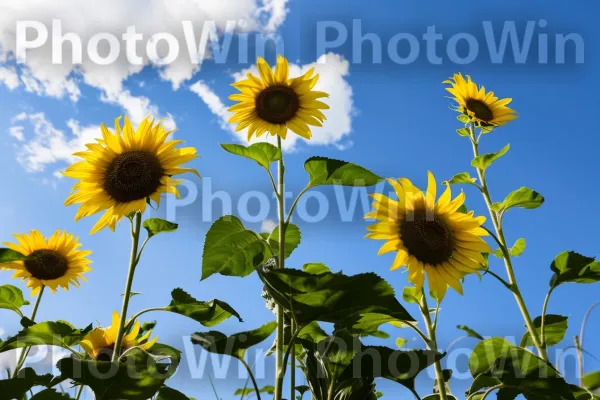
[
  {"x": 9, "y": 77},
  {"x": 48, "y": 145},
  {"x": 17, "y": 132},
  {"x": 268, "y": 225},
  {"x": 333, "y": 70},
  {"x": 2, "y": 332}
]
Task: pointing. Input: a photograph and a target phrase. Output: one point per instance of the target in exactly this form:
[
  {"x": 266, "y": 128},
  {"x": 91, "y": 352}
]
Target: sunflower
[
  {"x": 430, "y": 238},
  {"x": 483, "y": 108},
  {"x": 100, "y": 342},
  {"x": 273, "y": 103},
  {"x": 52, "y": 262},
  {"x": 126, "y": 169}
]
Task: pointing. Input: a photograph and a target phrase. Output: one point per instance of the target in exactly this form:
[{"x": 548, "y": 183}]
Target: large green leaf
[
  {"x": 154, "y": 226},
  {"x": 11, "y": 298},
  {"x": 523, "y": 198},
  {"x": 9, "y": 255},
  {"x": 327, "y": 171},
  {"x": 17, "y": 387},
  {"x": 555, "y": 330},
  {"x": 208, "y": 313},
  {"x": 53, "y": 333},
  {"x": 50, "y": 394},
  {"x": 263, "y": 153},
  {"x": 292, "y": 239},
  {"x": 232, "y": 250},
  {"x": 569, "y": 266},
  {"x": 138, "y": 378},
  {"x": 368, "y": 324},
  {"x": 485, "y": 160},
  {"x": 234, "y": 345},
  {"x": 315, "y": 268},
  {"x": 329, "y": 297},
  {"x": 592, "y": 380},
  {"x": 470, "y": 332},
  {"x": 397, "y": 365},
  {"x": 485, "y": 354}
]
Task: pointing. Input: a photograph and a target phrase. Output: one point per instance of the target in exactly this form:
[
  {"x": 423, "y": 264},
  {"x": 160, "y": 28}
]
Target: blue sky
[{"x": 394, "y": 120}]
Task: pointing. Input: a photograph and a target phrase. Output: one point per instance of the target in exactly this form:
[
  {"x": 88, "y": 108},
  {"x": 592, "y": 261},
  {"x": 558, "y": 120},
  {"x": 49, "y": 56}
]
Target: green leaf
[
  {"x": 208, "y": 313},
  {"x": 470, "y": 332},
  {"x": 569, "y": 266},
  {"x": 554, "y": 331},
  {"x": 368, "y": 324},
  {"x": 263, "y": 153},
  {"x": 485, "y": 354},
  {"x": 167, "y": 393},
  {"x": 485, "y": 160},
  {"x": 138, "y": 378},
  {"x": 523, "y": 198},
  {"x": 11, "y": 298},
  {"x": 410, "y": 295},
  {"x": 592, "y": 380},
  {"x": 154, "y": 226},
  {"x": 328, "y": 297},
  {"x": 17, "y": 387},
  {"x": 232, "y": 250},
  {"x": 463, "y": 118},
  {"x": 327, "y": 171},
  {"x": 463, "y": 177},
  {"x": 515, "y": 251},
  {"x": 315, "y": 268},
  {"x": 292, "y": 239},
  {"x": 463, "y": 132},
  {"x": 234, "y": 345},
  {"x": 9, "y": 255},
  {"x": 396, "y": 365},
  {"x": 59, "y": 333},
  {"x": 400, "y": 342},
  {"x": 249, "y": 391}
]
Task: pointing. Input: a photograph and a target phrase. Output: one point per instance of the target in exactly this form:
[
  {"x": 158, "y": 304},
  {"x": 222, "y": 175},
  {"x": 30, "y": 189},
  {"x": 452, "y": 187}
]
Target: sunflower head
[
  {"x": 99, "y": 343},
  {"x": 126, "y": 169},
  {"x": 483, "y": 108},
  {"x": 53, "y": 262},
  {"x": 274, "y": 102},
  {"x": 430, "y": 237}
]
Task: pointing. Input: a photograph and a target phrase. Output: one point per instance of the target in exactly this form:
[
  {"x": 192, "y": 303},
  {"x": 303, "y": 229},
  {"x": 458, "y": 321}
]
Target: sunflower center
[
  {"x": 480, "y": 109},
  {"x": 46, "y": 264},
  {"x": 106, "y": 353},
  {"x": 277, "y": 104},
  {"x": 427, "y": 237},
  {"x": 133, "y": 175}
]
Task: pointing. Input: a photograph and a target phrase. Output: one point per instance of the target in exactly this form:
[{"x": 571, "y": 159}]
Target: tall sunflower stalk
[
  {"x": 484, "y": 111},
  {"x": 276, "y": 103}
]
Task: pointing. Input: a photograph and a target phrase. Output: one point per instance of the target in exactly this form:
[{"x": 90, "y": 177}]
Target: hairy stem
[
  {"x": 281, "y": 260},
  {"x": 25, "y": 351},
  {"x": 135, "y": 239},
  {"x": 512, "y": 280},
  {"x": 432, "y": 344}
]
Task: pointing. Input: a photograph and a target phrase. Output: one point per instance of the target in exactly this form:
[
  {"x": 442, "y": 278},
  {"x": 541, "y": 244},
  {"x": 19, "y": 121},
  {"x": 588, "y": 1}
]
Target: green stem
[
  {"x": 490, "y": 390},
  {"x": 293, "y": 365},
  {"x": 135, "y": 238},
  {"x": 213, "y": 387},
  {"x": 251, "y": 375},
  {"x": 136, "y": 316},
  {"x": 543, "y": 322},
  {"x": 432, "y": 344},
  {"x": 79, "y": 392},
  {"x": 512, "y": 280},
  {"x": 579, "y": 360},
  {"x": 25, "y": 351},
  {"x": 295, "y": 203},
  {"x": 279, "y": 366}
]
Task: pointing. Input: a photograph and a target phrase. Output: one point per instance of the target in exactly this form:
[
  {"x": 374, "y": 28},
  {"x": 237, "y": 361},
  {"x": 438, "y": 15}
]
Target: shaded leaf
[
  {"x": 11, "y": 298},
  {"x": 154, "y": 226},
  {"x": 555, "y": 330},
  {"x": 292, "y": 239},
  {"x": 470, "y": 332},
  {"x": 328, "y": 297},
  {"x": 208, "y": 313},
  {"x": 234, "y": 345},
  {"x": 27, "y": 378},
  {"x": 592, "y": 380},
  {"x": 50, "y": 394},
  {"x": 485, "y": 160},
  {"x": 167, "y": 393},
  {"x": 59, "y": 333},
  {"x": 9, "y": 255},
  {"x": 485, "y": 354},
  {"x": 327, "y": 171},
  {"x": 232, "y": 250},
  {"x": 569, "y": 266},
  {"x": 263, "y": 153},
  {"x": 368, "y": 324},
  {"x": 139, "y": 377},
  {"x": 438, "y": 397}
]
